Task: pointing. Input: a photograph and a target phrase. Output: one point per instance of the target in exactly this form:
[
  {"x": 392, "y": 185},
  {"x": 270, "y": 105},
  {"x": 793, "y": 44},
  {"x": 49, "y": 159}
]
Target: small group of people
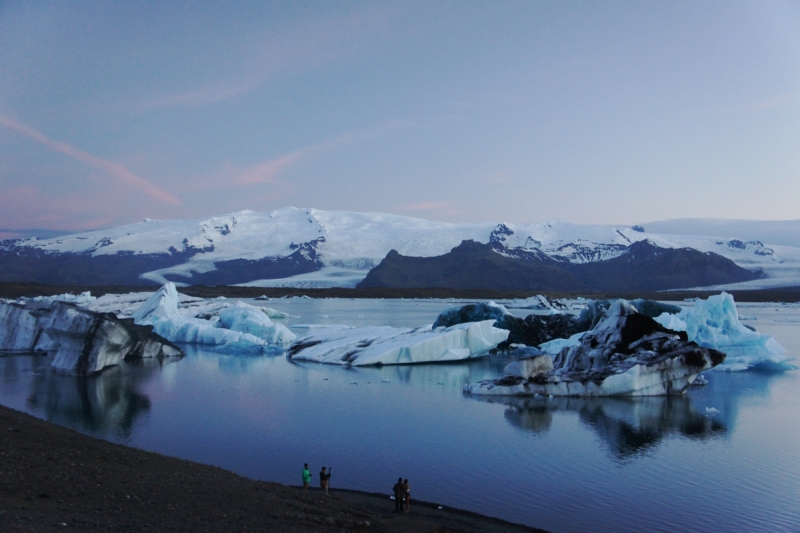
[
  {"x": 324, "y": 478},
  {"x": 402, "y": 496}
]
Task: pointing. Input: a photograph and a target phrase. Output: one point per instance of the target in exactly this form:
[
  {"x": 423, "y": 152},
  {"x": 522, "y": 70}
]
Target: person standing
[
  {"x": 399, "y": 493},
  {"x": 306, "y": 476},
  {"x": 408, "y": 495},
  {"x": 323, "y": 479}
]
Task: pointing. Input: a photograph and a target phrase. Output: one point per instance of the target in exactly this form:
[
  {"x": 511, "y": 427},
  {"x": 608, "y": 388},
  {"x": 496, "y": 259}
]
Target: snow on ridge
[{"x": 349, "y": 244}]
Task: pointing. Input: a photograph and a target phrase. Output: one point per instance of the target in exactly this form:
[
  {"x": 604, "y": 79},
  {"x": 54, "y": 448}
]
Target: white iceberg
[
  {"x": 384, "y": 345},
  {"x": 246, "y": 318},
  {"x": 162, "y": 312},
  {"x": 714, "y": 323},
  {"x": 274, "y": 313}
]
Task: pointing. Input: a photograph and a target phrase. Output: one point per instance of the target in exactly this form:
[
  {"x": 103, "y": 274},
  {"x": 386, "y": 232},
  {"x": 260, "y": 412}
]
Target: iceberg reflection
[
  {"x": 629, "y": 426},
  {"x": 106, "y": 404}
]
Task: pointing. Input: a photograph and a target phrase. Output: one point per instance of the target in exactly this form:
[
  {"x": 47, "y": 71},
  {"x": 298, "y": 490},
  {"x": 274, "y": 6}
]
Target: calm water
[{"x": 653, "y": 464}]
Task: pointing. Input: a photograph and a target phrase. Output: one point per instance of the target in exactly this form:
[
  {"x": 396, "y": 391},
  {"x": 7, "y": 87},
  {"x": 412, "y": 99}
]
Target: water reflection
[
  {"x": 629, "y": 426},
  {"x": 107, "y": 404}
]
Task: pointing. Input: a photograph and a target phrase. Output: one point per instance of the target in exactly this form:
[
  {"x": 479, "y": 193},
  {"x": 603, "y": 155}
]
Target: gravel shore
[{"x": 56, "y": 479}]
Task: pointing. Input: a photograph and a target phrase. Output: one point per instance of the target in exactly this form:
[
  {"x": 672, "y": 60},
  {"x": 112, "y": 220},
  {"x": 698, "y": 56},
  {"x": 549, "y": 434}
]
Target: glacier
[
  {"x": 245, "y": 328},
  {"x": 385, "y": 345},
  {"x": 625, "y": 354},
  {"x": 714, "y": 323}
]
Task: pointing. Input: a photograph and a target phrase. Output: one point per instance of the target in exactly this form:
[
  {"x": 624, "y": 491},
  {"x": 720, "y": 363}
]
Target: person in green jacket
[{"x": 306, "y": 476}]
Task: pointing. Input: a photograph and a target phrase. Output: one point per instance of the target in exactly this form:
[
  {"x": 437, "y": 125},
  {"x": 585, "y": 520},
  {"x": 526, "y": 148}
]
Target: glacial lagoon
[{"x": 724, "y": 457}]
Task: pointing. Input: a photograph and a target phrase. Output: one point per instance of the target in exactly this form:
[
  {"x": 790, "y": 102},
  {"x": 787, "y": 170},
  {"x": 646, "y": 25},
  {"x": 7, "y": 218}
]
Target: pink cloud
[
  {"x": 266, "y": 172},
  {"x": 111, "y": 168}
]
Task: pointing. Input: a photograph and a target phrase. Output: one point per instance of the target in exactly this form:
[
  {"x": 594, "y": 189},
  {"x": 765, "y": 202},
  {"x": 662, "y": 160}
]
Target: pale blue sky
[{"x": 593, "y": 112}]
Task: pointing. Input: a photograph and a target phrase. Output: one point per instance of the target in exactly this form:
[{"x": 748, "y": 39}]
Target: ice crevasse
[
  {"x": 240, "y": 328},
  {"x": 714, "y": 323}
]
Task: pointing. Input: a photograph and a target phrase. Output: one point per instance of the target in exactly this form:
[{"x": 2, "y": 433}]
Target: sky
[{"x": 464, "y": 111}]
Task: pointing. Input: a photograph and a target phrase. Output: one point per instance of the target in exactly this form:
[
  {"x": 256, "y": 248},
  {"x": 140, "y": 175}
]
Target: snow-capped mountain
[{"x": 315, "y": 248}]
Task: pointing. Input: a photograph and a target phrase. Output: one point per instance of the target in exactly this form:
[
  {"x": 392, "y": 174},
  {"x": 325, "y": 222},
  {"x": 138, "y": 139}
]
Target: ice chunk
[
  {"x": 555, "y": 346},
  {"x": 714, "y": 323},
  {"x": 246, "y": 318},
  {"x": 471, "y": 313},
  {"x": 274, "y": 313},
  {"x": 532, "y": 366},
  {"x": 625, "y": 354},
  {"x": 161, "y": 311},
  {"x": 384, "y": 345}
]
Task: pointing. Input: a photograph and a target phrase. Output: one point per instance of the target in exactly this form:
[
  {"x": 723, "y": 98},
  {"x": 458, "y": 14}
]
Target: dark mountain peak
[{"x": 500, "y": 233}]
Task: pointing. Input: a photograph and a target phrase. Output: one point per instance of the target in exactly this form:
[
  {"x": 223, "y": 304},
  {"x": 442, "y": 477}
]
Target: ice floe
[
  {"x": 384, "y": 345},
  {"x": 714, "y": 323}
]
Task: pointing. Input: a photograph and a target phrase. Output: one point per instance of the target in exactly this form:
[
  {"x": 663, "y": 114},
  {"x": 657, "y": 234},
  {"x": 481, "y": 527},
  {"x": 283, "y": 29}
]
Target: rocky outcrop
[
  {"x": 85, "y": 342},
  {"x": 626, "y": 354}
]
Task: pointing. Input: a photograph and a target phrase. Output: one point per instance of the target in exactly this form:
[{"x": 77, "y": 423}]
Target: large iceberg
[
  {"x": 244, "y": 329},
  {"x": 85, "y": 342},
  {"x": 714, "y": 323},
  {"x": 384, "y": 345},
  {"x": 625, "y": 354}
]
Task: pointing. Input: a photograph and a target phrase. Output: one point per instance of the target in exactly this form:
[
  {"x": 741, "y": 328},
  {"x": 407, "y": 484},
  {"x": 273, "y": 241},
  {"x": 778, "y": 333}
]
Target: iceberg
[
  {"x": 540, "y": 302},
  {"x": 625, "y": 354},
  {"x": 162, "y": 312},
  {"x": 85, "y": 342},
  {"x": 471, "y": 313},
  {"x": 246, "y": 318},
  {"x": 384, "y": 345},
  {"x": 714, "y": 323}
]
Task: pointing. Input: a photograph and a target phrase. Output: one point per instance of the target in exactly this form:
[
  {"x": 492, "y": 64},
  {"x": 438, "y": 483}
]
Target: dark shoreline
[
  {"x": 19, "y": 289},
  {"x": 54, "y": 478}
]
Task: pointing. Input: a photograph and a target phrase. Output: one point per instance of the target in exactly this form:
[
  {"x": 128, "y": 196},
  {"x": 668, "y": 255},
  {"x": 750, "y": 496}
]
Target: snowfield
[{"x": 349, "y": 244}]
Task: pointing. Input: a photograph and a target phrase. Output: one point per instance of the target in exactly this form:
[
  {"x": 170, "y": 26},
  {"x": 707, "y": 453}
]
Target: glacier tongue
[
  {"x": 244, "y": 328},
  {"x": 714, "y": 323},
  {"x": 384, "y": 345}
]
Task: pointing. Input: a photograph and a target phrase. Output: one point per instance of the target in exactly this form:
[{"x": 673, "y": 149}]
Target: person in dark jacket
[
  {"x": 323, "y": 479},
  {"x": 399, "y": 493}
]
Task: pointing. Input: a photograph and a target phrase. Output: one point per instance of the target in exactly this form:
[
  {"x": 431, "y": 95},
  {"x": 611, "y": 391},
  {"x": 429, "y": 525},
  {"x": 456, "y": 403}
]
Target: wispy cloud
[
  {"x": 266, "y": 172},
  {"x": 291, "y": 50},
  {"x": 111, "y": 168}
]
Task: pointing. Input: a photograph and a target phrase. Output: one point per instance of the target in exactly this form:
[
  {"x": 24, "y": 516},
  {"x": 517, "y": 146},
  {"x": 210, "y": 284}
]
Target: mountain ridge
[
  {"x": 297, "y": 247},
  {"x": 642, "y": 266}
]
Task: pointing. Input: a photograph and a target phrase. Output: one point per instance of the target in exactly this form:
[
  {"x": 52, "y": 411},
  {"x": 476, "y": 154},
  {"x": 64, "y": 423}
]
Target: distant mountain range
[
  {"x": 312, "y": 248},
  {"x": 642, "y": 266}
]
